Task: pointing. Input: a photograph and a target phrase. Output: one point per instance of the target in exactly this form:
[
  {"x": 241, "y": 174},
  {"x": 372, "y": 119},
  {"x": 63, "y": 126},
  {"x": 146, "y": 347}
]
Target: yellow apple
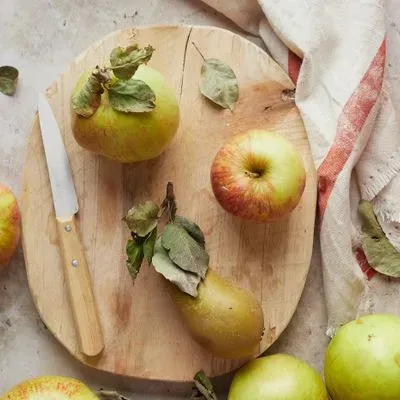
[
  {"x": 130, "y": 137},
  {"x": 10, "y": 225}
]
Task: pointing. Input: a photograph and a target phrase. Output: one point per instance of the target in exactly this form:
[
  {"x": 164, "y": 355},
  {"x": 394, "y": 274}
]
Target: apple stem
[
  {"x": 101, "y": 74},
  {"x": 253, "y": 174},
  {"x": 198, "y": 51}
]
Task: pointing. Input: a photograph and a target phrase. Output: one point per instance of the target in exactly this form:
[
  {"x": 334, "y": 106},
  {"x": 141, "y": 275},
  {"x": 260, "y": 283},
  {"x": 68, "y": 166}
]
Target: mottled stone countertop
[{"x": 41, "y": 37}]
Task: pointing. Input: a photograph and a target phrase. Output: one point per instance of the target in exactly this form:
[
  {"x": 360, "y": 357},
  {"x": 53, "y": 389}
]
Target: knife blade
[
  {"x": 62, "y": 185},
  {"x": 76, "y": 271}
]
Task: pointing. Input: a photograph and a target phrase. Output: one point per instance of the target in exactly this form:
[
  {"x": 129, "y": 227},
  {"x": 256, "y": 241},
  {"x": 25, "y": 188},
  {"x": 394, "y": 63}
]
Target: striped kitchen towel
[{"x": 335, "y": 52}]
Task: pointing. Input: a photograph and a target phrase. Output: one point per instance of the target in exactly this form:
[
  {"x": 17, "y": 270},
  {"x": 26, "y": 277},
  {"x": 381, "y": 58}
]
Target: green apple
[
  {"x": 277, "y": 377},
  {"x": 130, "y": 137},
  {"x": 10, "y": 225},
  {"x": 362, "y": 361},
  {"x": 258, "y": 175}
]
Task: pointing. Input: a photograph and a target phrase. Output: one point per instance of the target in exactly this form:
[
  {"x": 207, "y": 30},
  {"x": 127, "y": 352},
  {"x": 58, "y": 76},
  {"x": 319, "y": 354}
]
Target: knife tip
[{"x": 41, "y": 97}]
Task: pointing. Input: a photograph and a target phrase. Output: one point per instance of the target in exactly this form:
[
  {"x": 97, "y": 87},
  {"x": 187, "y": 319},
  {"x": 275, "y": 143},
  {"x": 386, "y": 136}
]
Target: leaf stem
[
  {"x": 203, "y": 388},
  {"x": 193, "y": 43},
  {"x": 110, "y": 395}
]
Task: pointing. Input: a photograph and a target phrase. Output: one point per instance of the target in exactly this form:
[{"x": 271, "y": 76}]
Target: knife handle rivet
[
  {"x": 68, "y": 228},
  {"x": 74, "y": 263}
]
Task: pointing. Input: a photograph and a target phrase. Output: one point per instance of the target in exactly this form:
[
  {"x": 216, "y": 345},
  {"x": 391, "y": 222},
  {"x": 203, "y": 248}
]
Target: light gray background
[{"x": 40, "y": 37}]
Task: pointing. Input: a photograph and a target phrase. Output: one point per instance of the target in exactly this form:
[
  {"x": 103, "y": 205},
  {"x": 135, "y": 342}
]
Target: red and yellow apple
[
  {"x": 50, "y": 388},
  {"x": 130, "y": 137},
  {"x": 10, "y": 225},
  {"x": 277, "y": 377},
  {"x": 258, "y": 175}
]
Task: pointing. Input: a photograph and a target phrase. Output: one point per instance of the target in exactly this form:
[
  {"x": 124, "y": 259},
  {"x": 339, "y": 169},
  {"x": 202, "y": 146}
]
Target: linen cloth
[{"x": 335, "y": 52}]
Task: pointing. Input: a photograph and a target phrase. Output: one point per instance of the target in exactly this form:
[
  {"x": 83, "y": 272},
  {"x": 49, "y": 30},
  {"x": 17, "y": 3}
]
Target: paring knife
[{"x": 76, "y": 270}]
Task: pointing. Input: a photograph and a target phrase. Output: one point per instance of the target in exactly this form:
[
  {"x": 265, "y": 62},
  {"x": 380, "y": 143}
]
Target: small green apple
[
  {"x": 130, "y": 137},
  {"x": 362, "y": 361},
  {"x": 277, "y": 377}
]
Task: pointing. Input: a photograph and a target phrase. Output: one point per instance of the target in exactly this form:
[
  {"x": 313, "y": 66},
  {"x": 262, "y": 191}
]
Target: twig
[
  {"x": 198, "y": 51},
  {"x": 169, "y": 204}
]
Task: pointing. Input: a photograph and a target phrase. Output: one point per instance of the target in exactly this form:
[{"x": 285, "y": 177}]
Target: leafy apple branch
[
  {"x": 178, "y": 253},
  {"x": 125, "y": 94}
]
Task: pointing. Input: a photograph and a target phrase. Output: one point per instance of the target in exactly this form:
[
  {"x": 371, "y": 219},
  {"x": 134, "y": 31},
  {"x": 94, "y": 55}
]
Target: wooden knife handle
[{"x": 80, "y": 290}]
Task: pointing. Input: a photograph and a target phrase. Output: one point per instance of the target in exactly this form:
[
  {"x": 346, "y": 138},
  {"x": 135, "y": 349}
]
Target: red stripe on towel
[
  {"x": 294, "y": 64},
  {"x": 350, "y": 124}
]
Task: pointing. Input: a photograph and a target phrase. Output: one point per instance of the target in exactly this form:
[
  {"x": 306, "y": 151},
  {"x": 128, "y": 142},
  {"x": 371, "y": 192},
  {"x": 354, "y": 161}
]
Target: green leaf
[
  {"x": 218, "y": 83},
  {"x": 86, "y": 101},
  {"x": 203, "y": 389},
  {"x": 380, "y": 253},
  {"x": 192, "y": 229},
  {"x": 184, "y": 251},
  {"x": 131, "y": 96},
  {"x": 125, "y": 61},
  {"x": 134, "y": 251},
  {"x": 8, "y": 79},
  {"x": 185, "y": 281},
  {"x": 148, "y": 245},
  {"x": 142, "y": 218}
]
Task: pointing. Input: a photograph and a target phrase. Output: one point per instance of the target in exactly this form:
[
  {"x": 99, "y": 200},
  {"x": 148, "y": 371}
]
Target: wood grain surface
[{"x": 144, "y": 336}]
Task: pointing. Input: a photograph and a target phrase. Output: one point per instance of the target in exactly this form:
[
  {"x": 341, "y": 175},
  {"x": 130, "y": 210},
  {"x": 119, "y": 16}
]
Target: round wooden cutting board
[{"x": 144, "y": 336}]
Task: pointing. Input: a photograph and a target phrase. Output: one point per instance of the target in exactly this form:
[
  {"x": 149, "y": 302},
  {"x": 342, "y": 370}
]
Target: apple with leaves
[
  {"x": 126, "y": 112},
  {"x": 258, "y": 175},
  {"x": 223, "y": 318}
]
